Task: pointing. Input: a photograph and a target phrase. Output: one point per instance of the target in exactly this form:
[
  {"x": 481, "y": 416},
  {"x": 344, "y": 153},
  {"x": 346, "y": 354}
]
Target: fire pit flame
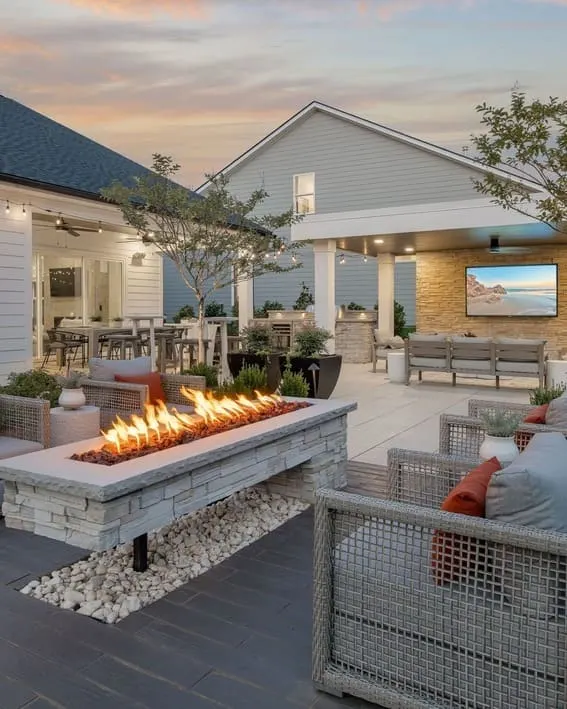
[{"x": 161, "y": 428}]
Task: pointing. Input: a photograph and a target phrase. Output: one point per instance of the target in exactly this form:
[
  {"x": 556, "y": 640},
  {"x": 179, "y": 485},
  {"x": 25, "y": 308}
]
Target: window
[{"x": 304, "y": 193}]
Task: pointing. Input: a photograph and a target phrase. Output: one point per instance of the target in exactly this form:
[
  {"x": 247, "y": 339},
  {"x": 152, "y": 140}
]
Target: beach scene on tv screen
[{"x": 512, "y": 291}]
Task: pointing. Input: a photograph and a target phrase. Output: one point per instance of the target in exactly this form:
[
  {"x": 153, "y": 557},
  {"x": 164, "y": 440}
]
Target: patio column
[
  {"x": 386, "y": 278},
  {"x": 245, "y": 296},
  {"x": 324, "y": 253}
]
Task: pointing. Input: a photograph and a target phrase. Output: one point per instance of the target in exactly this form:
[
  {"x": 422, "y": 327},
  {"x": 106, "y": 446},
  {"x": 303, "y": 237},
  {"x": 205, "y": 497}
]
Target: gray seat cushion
[
  {"x": 104, "y": 370},
  {"x": 480, "y": 365},
  {"x": 517, "y": 341},
  {"x": 415, "y": 337},
  {"x": 517, "y": 367},
  {"x": 429, "y": 362},
  {"x": 11, "y": 447}
]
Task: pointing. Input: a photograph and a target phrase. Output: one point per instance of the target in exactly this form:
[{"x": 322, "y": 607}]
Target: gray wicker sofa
[
  {"x": 475, "y": 355},
  {"x": 386, "y": 631}
]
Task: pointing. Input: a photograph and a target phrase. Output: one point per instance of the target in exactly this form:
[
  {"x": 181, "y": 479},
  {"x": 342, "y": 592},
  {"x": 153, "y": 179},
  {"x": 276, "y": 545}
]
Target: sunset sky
[{"x": 205, "y": 79}]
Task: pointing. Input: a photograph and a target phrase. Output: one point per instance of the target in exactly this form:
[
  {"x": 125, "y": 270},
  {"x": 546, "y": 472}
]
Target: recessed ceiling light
[
  {"x": 409, "y": 249},
  {"x": 378, "y": 241}
]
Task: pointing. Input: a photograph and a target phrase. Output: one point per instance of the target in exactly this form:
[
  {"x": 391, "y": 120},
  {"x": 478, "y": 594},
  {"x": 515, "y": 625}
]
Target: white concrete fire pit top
[{"x": 52, "y": 469}]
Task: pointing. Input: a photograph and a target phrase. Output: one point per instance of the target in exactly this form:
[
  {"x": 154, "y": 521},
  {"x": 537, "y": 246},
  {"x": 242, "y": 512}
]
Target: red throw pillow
[
  {"x": 454, "y": 556},
  {"x": 537, "y": 415},
  {"x": 152, "y": 380}
]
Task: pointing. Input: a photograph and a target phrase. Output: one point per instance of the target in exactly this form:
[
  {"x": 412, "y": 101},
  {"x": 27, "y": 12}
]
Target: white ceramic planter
[
  {"x": 71, "y": 399},
  {"x": 505, "y": 449}
]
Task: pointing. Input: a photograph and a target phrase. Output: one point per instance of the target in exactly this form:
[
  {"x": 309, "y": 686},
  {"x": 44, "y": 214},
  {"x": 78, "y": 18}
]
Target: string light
[
  {"x": 294, "y": 258},
  {"x": 24, "y": 210},
  {"x": 59, "y": 220},
  {"x": 365, "y": 259},
  {"x": 100, "y": 227},
  {"x": 7, "y": 210},
  {"x": 342, "y": 259}
]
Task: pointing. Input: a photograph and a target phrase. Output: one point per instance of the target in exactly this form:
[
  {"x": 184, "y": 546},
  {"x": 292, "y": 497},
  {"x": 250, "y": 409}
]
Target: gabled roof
[
  {"x": 317, "y": 106},
  {"x": 39, "y": 152}
]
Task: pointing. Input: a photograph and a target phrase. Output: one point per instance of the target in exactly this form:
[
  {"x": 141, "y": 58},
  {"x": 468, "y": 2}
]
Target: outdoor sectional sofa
[
  {"x": 388, "y": 631},
  {"x": 486, "y": 356}
]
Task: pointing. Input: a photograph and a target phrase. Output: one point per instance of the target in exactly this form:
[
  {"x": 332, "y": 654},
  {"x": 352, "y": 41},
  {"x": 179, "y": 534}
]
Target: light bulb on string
[
  {"x": 342, "y": 259},
  {"x": 59, "y": 220},
  {"x": 294, "y": 258},
  {"x": 365, "y": 259},
  {"x": 100, "y": 227},
  {"x": 7, "y": 210},
  {"x": 24, "y": 210}
]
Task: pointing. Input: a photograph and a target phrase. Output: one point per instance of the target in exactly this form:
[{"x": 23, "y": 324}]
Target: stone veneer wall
[
  {"x": 295, "y": 465},
  {"x": 440, "y": 299},
  {"x": 353, "y": 336}
]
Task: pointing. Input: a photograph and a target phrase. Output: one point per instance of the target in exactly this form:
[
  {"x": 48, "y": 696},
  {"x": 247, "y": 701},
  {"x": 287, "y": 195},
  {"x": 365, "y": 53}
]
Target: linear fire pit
[{"x": 98, "y": 506}]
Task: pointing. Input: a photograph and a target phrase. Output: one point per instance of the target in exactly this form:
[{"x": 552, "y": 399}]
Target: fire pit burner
[{"x": 160, "y": 428}]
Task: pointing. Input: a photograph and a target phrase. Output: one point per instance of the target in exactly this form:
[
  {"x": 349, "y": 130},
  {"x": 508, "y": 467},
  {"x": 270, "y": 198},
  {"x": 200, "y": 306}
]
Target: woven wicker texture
[
  {"x": 26, "y": 419},
  {"x": 463, "y": 435},
  {"x": 123, "y": 399},
  {"x": 385, "y": 628}
]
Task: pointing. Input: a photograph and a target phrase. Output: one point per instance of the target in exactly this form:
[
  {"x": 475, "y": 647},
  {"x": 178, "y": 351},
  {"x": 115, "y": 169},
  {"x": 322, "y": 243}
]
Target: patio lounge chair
[
  {"x": 463, "y": 435},
  {"x": 386, "y": 630}
]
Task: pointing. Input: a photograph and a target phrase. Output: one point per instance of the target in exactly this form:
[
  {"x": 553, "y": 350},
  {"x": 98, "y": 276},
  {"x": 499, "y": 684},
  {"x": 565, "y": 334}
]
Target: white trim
[
  {"x": 470, "y": 214},
  {"x": 315, "y": 106}
]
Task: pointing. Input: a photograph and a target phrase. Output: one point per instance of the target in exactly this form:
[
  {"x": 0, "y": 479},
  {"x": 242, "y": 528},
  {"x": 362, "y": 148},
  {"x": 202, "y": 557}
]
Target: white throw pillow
[
  {"x": 556, "y": 414},
  {"x": 104, "y": 370}
]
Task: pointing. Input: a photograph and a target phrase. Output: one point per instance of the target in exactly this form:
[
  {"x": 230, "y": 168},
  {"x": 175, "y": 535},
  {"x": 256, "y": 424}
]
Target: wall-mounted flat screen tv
[
  {"x": 512, "y": 291},
  {"x": 65, "y": 282}
]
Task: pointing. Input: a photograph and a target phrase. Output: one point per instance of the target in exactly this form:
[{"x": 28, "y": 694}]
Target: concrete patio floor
[{"x": 398, "y": 416}]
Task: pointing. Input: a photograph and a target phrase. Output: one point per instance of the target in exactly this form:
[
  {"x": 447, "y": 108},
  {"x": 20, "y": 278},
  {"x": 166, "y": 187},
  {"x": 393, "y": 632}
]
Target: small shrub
[
  {"x": 201, "y": 369},
  {"x": 257, "y": 339},
  {"x": 355, "y": 306},
  {"x": 232, "y": 327},
  {"x": 400, "y": 327},
  {"x": 215, "y": 310},
  {"x": 249, "y": 380},
  {"x": 33, "y": 384},
  {"x": 187, "y": 312},
  {"x": 304, "y": 299},
  {"x": 543, "y": 395},
  {"x": 311, "y": 341},
  {"x": 502, "y": 424},
  {"x": 293, "y": 384},
  {"x": 268, "y": 305}
]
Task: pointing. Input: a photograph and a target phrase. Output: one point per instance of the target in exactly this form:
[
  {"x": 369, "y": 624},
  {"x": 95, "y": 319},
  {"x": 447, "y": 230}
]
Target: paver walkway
[{"x": 238, "y": 636}]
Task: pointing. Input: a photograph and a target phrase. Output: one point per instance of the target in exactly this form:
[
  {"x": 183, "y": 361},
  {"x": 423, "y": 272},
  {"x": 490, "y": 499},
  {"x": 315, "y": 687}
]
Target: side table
[
  {"x": 73, "y": 426},
  {"x": 396, "y": 362}
]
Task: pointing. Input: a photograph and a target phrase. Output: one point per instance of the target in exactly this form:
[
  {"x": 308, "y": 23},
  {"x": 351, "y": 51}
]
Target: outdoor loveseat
[
  {"x": 482, "y": 356},
  {"x": 391, "y": 628}
]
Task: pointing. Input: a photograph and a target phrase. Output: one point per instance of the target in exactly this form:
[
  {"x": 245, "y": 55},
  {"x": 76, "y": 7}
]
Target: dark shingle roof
[{"x": 37, "y": 150}]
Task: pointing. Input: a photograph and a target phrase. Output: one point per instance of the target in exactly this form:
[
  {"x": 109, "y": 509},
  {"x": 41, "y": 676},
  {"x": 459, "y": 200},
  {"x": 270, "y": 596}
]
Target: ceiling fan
[
  {"x": 62, "y": 225},
  {"x": 496, "y": 248}
]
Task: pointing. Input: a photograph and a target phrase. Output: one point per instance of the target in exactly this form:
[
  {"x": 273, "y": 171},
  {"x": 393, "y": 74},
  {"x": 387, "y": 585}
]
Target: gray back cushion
[
  {"x": 103, "y": 370},
  {"x": 532, "y": 491},
  {"x": 557, "y": 412}
]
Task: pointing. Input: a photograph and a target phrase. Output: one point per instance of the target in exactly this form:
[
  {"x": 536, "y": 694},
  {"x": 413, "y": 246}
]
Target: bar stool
[
  {"x": 165, "y": 344},
  {"x": 120, "y": 344},
  {"x": 191, "y": 345}
]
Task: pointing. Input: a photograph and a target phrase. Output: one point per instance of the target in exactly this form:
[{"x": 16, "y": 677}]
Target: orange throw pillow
[
  {"x": 151, "y": 380},
  {"x": 454, "y": 556},
  {"x": 537, "y": 415}
]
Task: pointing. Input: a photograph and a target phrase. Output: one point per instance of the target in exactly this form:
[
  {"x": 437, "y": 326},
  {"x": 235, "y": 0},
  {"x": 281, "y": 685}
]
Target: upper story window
[{"x": 304, "y": 193}]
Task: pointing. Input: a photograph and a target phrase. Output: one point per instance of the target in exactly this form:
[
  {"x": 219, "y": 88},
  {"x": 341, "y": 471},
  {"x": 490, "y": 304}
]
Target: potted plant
[
  {"x": 293, "y": 384},
  {"x": 545, "y": 395},
  {"x": 72, "y": 395},
  {"x": 256, "y": 351},
  {"x": 499, "y": 437},
  {"x": 310, "y": 358}
]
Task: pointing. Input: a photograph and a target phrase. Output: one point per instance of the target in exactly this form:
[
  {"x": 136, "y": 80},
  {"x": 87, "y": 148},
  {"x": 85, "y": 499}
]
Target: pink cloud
[{"x": 145, "y": 8}]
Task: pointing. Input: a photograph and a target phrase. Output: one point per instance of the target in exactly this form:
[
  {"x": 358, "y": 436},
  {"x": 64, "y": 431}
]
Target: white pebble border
[{"x": 105, "y": 586}]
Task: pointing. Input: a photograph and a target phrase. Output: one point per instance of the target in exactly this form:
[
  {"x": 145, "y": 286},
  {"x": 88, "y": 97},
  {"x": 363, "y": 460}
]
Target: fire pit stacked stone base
[{"x": 98, "y": 507}]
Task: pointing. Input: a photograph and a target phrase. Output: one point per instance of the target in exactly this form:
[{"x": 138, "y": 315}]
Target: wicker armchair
[
  {"x": 24, "y": 425},
  {"x": 123, "y": 399},
  {"x": 387, "y": 631},
  {"x": 463, "y": 435}
]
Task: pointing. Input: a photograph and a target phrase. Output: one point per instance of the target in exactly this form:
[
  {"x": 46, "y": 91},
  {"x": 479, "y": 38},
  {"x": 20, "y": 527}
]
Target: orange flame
[{"x": 159, "y": 424}]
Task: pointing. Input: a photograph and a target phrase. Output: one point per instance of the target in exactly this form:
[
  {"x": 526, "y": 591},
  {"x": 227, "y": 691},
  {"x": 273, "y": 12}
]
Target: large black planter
[
  {"x": 238, "y": 360},
  {"x": 322, "y": 381}
]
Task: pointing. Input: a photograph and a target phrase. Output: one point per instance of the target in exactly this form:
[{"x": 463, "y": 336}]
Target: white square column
[
  {"x": 245, "y": 296},
  {"x": 324, "y": 253},
  {"x": 386, "y": 280}
]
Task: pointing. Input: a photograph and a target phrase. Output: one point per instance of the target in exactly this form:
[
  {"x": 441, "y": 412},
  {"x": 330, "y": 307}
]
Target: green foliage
[
  {"x": 257, "y": 339},
  {"x": 201, "y": 369},
  {"x": 543, "y": 395},
  {"x": 311, "y": 341},
  {"x": 186, "y": 312},
  {"x": 232, "y": 327},
  {"x": 304, "y": 298},
  {"x": 500, "y": 423},
  {"x": 355, "y": 306},
  {"x": 399, "y": 319},
  {"x": 268, "y": 305},
  {"x": 33, "y": 384},
  {"x": 293, "y": 384},
  {"x": 72, "y": 380},
  {"x": 249, "y": 380},
  {"x": 215, "y": 310},
  {"x": 528, "y": 138}
]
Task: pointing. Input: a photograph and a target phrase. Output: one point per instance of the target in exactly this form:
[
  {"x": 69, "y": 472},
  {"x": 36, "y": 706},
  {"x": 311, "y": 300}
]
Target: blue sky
[
  {"x": 516, "y": 276},
  {"x": 205, "y": 79}
]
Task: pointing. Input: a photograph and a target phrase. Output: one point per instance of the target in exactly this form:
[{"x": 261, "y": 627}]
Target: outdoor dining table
[
  {"x": 223, "y": 323},
  {"x": 136, "y": 320},
  {"x": 93, "y": 332}
]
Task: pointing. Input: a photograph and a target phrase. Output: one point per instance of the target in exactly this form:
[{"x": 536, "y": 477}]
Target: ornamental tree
[
  {"x": 529, "y": 139},
  {"x": 214, "y": 240}
]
